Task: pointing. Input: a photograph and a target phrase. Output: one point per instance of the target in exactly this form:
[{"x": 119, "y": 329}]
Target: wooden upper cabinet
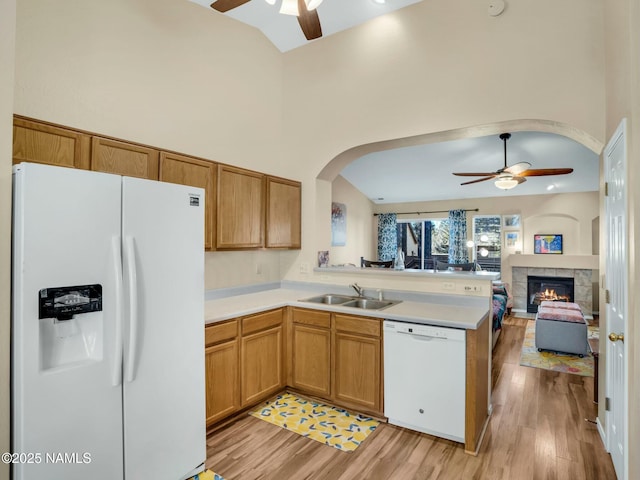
[
  {"x": 43, "y": 143},
  {"x": 124, "y": 158},
  {"x": 283, "y": 213},
  {"x": 239, "y": 209},
  {"x": 175, "y": 168}
]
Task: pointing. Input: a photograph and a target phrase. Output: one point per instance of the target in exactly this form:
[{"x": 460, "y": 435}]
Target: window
[
  {"x": 423, "y": 242},
  {"x": 487, "y": 242}
]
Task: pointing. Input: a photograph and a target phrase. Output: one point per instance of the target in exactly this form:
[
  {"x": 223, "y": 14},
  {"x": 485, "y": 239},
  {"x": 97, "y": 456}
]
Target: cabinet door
[
  {"x": 42, "y": 143},
  {"x": 357, "y": 371},
  {"x": 262, "y": 372},
  {"x": 283, "y": 213},
  {"x": 240, "y": 209},
  {"x": 223, "y": 394},
  {"x": 311, "y": 352},
  {"x": 191, "y": 171},
  {"x": 123, "y": 158}
]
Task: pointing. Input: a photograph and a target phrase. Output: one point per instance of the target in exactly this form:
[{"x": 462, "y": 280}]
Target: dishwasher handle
[{"x": 424, "y": 338}]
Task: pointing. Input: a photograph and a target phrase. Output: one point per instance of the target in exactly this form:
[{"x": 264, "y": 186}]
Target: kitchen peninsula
[{"x": 262, "y": 342}]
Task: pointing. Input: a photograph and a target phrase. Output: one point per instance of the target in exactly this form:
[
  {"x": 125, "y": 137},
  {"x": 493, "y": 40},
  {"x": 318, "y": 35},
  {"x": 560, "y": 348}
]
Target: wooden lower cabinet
[
  {"x": 329, "y": 355},
  {"x": 244, "y": 362},
  {"x": 222, "y": 389},
  {"x": 311, "y": 363},
  {"x": 337, "y": 357},
  {"x": 262, "y": 365},
  {"x": 357, "y": 371}
]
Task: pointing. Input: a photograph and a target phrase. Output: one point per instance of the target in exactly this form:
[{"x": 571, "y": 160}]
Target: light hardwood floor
[{"x": 537, "y": 431}]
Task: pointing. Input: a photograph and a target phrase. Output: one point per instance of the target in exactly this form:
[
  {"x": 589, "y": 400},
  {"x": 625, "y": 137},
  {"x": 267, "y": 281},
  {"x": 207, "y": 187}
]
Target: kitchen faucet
[{"x": 359, "y": 290}]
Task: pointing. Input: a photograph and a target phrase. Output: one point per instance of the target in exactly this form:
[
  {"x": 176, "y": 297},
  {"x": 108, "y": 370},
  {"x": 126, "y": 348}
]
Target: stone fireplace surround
[{"x": 583, "y": 288}]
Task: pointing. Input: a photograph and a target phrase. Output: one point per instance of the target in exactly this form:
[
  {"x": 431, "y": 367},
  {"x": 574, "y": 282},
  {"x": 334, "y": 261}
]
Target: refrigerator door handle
[
  {"x": 116, "y": 250},
  {"x": 133, "y": 308}
]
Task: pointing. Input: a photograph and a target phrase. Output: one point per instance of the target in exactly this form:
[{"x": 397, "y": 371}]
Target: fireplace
[{"x": 555, "y": 289}]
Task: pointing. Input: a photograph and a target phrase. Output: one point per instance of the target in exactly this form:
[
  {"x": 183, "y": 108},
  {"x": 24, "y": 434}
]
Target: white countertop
[
  {"x": 411, "y": 272},
  {"x": 450, "y": 312}
]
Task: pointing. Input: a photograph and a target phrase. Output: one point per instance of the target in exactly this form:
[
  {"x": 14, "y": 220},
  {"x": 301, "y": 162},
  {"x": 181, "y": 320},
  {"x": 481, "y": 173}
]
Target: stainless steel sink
[
  {"x": 369, "y": 303},
  {"x": 329, "y": 298},
  {"x": 347, "y": 301}
]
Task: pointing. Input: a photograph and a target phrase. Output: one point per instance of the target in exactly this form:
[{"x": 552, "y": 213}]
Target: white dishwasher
[{"x": 424, "y": 378}]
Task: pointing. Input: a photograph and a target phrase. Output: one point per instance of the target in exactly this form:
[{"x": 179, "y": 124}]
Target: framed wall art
[
  {"x": 511, "y": 221},
  {"x": 338, "y": 224},
  {"x": 547, "y": 243},
  {"x": 512, "y": 240}
]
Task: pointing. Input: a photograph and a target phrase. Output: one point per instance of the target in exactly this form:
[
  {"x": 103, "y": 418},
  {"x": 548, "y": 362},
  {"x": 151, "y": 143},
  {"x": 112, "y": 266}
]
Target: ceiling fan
[
  {"x": 305, "y": 10},
  {"x": 509, "y": 177}
]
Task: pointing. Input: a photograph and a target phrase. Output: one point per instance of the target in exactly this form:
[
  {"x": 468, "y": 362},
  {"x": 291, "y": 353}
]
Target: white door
[
  {"x": 616, "y": 283},
  {"x": 66, "y": 391},
  {"x": 164, "y": 396}
]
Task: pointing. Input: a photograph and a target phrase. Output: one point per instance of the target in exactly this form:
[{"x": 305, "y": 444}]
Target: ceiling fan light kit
[
  {"x": 506, "y": 183},
  {"x": 289, "y": 7}
]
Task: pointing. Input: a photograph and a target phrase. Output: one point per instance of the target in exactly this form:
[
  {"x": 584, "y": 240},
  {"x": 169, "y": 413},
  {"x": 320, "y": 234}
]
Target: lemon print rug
[
  {"x": 207, "y": 475},
  {"x": 558, "y": 362},
  {"x": 332, "y": 426}
]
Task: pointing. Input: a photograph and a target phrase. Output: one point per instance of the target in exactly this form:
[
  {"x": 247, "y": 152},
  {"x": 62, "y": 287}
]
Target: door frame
[{"x": 619, "y": 135}]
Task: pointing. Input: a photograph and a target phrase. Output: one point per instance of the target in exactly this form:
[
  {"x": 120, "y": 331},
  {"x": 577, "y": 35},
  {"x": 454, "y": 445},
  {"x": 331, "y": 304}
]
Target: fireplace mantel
[{"x": 589, "y": 262}]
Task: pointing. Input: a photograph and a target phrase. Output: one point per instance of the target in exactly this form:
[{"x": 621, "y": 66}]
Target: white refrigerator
[{"x": 107, "y": 327}]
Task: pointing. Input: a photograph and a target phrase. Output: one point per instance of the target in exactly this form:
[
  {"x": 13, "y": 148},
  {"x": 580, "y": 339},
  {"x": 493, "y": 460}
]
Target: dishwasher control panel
[{"x": 424, "y": 330}]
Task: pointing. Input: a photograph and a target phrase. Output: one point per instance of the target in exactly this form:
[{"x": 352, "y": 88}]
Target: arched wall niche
[{"x": 554, "y": 223}]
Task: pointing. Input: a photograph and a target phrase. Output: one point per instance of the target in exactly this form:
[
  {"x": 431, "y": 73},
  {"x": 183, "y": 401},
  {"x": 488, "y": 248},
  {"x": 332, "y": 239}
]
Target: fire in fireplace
[{"x": 555, "y": 289}]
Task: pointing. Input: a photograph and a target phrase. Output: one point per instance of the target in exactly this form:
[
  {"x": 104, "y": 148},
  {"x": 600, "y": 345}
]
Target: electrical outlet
[
  {"x": 304, "y": 267},
  {"x": 473, "y": 288},
  {"x": 258, "y": 269},
  {"x": 448, "y": 286}
]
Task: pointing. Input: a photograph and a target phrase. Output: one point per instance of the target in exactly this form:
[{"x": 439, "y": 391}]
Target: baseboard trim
[{"x": 603, "y": 435}]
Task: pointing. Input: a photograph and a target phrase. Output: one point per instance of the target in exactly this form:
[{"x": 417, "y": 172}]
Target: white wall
[
  {"x": 169, "y": 74},
  {"x": 433, "y": 67},
  {"x": 7, "y": 41},
  {"x": 361, "y": 239},
  {"x": 622, "y": 35}
]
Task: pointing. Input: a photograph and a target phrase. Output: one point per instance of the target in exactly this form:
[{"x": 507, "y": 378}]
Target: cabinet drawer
[
  {"x": 364, "y": 326},
  {"x": 312, "y": 317},
  {"x": 220, "y": 332},
  {"x": 261, "y": 321}
]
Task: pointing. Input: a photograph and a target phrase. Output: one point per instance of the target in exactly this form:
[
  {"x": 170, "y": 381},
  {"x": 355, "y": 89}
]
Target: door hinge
[
  {"x": 607, "y": 404},
  {"x": 606, "y": 189},
  {"x": 607, "y": 296}
]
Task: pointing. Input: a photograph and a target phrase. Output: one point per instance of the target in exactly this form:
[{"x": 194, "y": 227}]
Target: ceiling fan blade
[
  {"x": 226, "y": 5},
  {"x": 520, "y": 179},
  {"x": 309, "y": 21},
  {"x": 478, "y": 180},
  {"x": 518, "y": 168},
  {"x": 541, "y": 172},
  {"x": 469, "y": 174}
]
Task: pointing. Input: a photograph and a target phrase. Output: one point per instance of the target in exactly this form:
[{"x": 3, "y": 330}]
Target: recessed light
[
  {"x": 550, "y": 187},
  {"x": 379, "y": 2}
]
